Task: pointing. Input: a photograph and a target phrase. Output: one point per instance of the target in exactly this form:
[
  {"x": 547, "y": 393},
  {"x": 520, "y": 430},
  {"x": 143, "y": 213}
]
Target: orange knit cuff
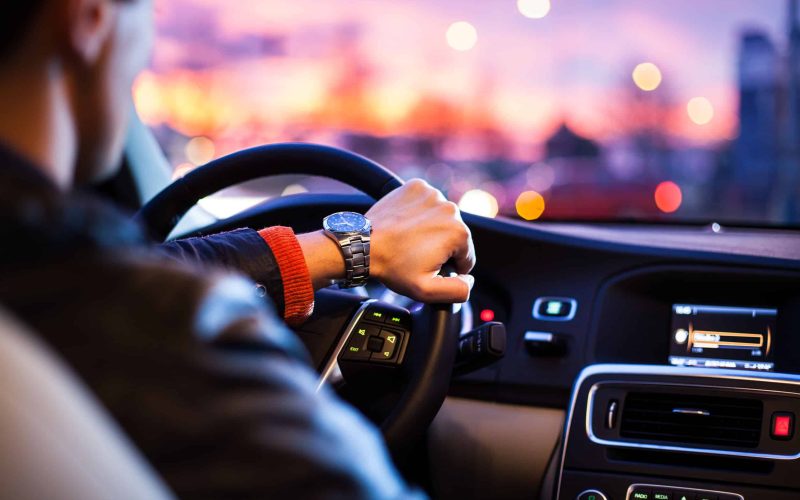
[{"x": 298, "y": 292}]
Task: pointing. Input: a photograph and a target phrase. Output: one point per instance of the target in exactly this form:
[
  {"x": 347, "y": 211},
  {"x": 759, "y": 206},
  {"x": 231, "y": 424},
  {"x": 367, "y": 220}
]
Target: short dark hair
[{"x": 16, "y": 22}]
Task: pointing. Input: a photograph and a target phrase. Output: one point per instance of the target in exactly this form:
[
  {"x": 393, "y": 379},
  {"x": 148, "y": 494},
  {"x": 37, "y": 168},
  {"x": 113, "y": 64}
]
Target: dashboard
[{"x": 683, "y": 317}]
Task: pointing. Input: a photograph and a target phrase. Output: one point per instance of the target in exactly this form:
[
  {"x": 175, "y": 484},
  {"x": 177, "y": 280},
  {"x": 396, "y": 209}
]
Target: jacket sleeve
[{"x": 272, "y": 257}]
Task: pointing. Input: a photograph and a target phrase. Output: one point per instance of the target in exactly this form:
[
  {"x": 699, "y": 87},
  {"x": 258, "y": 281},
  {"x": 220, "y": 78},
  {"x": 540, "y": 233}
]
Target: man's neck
[{"x": 36, "y": 121}]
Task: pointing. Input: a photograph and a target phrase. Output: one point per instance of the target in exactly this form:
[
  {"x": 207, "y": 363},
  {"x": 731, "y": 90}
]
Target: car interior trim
[
  {"x": 639, "y": 369},
  {"x": 699, "y": 491},
  {"x": 694, "y": 449}
]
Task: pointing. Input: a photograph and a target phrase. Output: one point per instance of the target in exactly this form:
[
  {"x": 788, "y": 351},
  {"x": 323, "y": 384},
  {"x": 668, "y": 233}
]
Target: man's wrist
[{"x": 323, "y": 257}]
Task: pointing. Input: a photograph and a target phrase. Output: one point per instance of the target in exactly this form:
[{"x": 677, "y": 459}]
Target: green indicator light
[
  {"x": 554, "y": 308},
  {"x": 354, "y": 349},
  {"x": 377, "y": 314},
  {"x": 395, "y": 319},
  {"x": 362, "y": 331}
]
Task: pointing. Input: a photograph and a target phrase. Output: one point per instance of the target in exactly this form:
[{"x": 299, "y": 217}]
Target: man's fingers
[
  {"x": 464, "y": 255},
  {"x": 447, "y": 289}
]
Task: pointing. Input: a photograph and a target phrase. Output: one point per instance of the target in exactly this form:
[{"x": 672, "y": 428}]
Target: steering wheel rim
[
  {"x": 163, "y": 212},
  {"x": 428, "y": 384}
]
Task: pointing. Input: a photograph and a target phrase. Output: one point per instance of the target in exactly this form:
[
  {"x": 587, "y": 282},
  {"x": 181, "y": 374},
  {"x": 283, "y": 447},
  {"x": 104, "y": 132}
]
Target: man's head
[{"x": 78, "y": 59}]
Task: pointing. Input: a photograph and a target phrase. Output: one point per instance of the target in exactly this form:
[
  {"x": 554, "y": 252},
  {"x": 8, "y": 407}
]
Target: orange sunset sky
[{"x": 252, "y": 71}]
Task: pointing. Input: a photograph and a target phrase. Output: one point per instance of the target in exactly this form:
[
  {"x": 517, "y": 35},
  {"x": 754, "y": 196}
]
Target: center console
[{"x": 658, "y": 432}]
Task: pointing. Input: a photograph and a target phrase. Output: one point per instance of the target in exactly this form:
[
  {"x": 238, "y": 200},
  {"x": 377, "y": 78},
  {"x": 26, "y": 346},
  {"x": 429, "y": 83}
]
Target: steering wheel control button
[
  {"x": 554, "y": 308},
  {"x": 391, "y": 342},
  {"x": 357, "y": 348},
  {"x": 398, "y": 319},
  {"x": 782, "y": 427},
  {"x": 375, "y": 344},
  {"x": 591, "y": 495},
  {"x": 375, "y": 315}
]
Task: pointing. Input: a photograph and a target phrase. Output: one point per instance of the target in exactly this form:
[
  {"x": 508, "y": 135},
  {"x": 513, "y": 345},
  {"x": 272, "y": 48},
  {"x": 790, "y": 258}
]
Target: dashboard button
[
  {"x": 591, "y": 495},
  {"x": 554, "y": 308},
  {"x": 662, "y": 495},
  {"x": 782, "y": 427},
  {"x": 641, "y": 494},
  {"x": 545, "y": 344}
]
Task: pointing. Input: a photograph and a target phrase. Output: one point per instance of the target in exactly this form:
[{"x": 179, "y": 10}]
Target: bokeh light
[
  {"x": 534, "y": 9},
  {"x": 479, "y": 202},
  {"x": 668, "y": 197},
  {"x": 700, "y": 110},
  {"x": 181, "y": 170},
  {"x": 646, "y": 76},
  {"x": 200, "y": 150},
  {"x": 486, "y": 315},
  {"x": 530, "y": 205},
  {"x": 462, "y": 36}
]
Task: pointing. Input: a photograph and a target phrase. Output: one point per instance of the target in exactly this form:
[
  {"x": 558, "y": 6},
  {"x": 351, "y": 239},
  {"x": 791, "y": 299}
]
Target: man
[{"x": 206, "y": 381}]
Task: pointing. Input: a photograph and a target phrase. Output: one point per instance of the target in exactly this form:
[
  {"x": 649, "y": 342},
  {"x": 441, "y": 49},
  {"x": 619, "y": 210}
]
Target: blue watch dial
[{"x": 346, "y": 222}]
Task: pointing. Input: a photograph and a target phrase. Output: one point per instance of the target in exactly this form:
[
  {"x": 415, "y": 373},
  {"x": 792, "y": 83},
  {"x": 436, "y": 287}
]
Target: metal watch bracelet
[{"x": 355, "y": 250}]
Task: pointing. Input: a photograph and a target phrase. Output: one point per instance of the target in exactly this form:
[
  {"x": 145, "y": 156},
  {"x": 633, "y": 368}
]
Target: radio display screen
[{"x": 722, "y": 337}]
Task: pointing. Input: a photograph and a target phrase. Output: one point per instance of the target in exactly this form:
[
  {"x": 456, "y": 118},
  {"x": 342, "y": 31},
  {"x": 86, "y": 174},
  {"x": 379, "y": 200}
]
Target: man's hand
[{"x": 415, "y": 230}]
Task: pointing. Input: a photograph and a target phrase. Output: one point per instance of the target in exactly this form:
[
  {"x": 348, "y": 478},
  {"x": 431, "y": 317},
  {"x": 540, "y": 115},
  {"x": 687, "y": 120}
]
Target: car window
[{"x": 687, "y": 110}]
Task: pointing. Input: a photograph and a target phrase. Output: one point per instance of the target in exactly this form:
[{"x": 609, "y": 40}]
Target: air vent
[{"x": 692, "y": 419}]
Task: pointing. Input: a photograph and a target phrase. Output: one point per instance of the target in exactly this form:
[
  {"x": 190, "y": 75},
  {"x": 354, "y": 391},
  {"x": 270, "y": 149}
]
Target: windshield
[{"x": 684, "y": 110}]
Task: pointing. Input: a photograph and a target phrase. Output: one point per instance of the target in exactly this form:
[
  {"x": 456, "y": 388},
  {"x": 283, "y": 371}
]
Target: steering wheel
[{"x": 410, "y": 383}]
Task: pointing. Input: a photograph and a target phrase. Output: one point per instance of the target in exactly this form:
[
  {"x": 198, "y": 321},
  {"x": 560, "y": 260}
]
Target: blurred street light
[
  {"x": 647, "y": 76},
  {"x": 668, "y": 196},
  {"x": 533, "y": 9},
  {"x": 200, "y": 150},
  {"x": 479, "y": 202},
  {"x": 462, "y": 36},
  {"x": 700, "y": 110},
  {"x": 530, "y": 205}
]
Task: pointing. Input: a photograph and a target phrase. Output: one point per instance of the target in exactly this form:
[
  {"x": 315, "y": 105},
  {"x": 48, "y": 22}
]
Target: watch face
[{"x": 345, "y": 222}]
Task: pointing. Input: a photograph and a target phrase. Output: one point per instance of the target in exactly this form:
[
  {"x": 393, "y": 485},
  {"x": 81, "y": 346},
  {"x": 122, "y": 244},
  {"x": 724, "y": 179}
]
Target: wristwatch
[{"x": 351, "y": 231}]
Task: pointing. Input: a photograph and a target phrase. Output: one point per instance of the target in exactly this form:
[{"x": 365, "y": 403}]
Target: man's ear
[{"x": 88, "y": 27}]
